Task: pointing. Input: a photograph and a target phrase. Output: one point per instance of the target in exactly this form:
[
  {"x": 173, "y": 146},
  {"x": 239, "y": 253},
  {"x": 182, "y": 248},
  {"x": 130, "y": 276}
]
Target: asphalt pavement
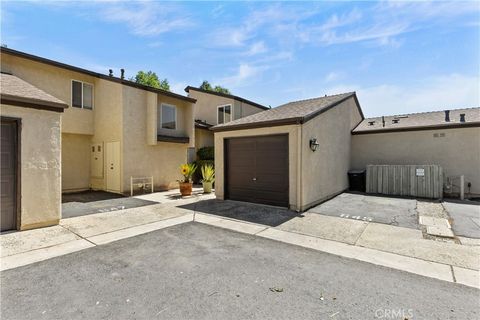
[{"x": 195, "y": 271}]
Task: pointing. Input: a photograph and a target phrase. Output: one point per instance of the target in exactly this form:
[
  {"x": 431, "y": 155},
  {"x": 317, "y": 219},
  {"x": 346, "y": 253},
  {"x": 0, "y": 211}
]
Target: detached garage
[
  {"x": 296, "y": 155},
  {"x": 31, "y": 155}
]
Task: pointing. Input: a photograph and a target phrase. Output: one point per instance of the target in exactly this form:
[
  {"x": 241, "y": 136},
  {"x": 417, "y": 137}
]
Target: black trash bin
[{"x": 356, "y": 180}]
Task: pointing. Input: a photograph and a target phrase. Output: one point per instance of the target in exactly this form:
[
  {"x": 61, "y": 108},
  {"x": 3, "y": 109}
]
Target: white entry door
[{"x": 112, "y": 155}]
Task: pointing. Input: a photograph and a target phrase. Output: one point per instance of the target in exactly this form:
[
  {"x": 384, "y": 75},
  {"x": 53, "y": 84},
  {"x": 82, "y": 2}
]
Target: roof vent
[
  {"x": 110, "y": 72},
  {"x": 395, "y": 121},
  {"x": 371, "y": 123},
  {"x": 122, "y": 73},
  {"x": 462, "y": 117},
  {"x": 447, "y": 115}
]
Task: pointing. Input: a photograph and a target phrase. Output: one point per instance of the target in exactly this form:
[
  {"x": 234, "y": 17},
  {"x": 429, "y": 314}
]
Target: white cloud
[
  {"x": 147, "y": 18},
  {"x": 332, "y": 76},
  {"x": 257, "y": 48},
  {"x": 244, "y": 74},
  {"x": 435, "y": 93},
  {"x": 178, "y": 87}
]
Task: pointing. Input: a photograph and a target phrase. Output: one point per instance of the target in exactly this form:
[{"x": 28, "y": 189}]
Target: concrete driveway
[
  {"x": 202, "y": 272},
  {"x": 466, "y": 219},
  {"x": 393, "y": 211}
]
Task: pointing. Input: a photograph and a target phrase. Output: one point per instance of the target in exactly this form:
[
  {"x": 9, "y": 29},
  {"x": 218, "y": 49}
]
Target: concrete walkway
[{"x": 380, "y": 244}]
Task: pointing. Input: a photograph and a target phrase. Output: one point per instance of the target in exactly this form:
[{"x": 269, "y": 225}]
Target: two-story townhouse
[
  {"x": 113, "y": 128},
  {"x": 214, "y": 108}
]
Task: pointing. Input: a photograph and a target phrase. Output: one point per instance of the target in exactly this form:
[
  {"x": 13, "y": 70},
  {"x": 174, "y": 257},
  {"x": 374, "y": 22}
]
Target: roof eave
[
  {"x": 226, "y": 95},
  {"x": 332, "y": 105},
  {"x": 253, "y": 125},
  {"x": 419, "y": 128},
  {"x": 32, "y": 103},
  {"x": 93, "y": 74}
]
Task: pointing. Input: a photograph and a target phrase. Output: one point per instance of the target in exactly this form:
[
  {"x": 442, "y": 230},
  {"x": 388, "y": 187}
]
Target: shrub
[
  {"x": 197, "y": 176},
  {"x": 206, "y": 153},
  {"x": 208, "y": 173}
]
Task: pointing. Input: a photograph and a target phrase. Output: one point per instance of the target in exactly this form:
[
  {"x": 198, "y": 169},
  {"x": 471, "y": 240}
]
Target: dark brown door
[
  {"x": 256, "y": 169},
  {"x": 8, "y": 175}
]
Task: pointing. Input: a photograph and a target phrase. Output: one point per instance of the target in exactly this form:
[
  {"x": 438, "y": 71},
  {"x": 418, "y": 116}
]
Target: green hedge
[
  {"x": 206, "y": 153},
  {"x": 197, "y": 176}
]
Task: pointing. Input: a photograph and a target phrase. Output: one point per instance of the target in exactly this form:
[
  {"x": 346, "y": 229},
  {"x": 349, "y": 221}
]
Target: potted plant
[
  {"x": 187, "y": 171},
  {"x": 208, "y": 177}
]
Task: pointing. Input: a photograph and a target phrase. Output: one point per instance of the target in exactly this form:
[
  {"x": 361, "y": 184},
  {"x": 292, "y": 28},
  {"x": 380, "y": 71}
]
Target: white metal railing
[{"x": 141, "y": 183}]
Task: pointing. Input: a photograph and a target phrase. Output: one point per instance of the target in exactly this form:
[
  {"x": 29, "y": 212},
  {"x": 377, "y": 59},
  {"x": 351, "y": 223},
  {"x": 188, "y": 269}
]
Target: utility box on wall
[
  {"x": 422, "y": 181},
  {"x": 96, "y": 160}
]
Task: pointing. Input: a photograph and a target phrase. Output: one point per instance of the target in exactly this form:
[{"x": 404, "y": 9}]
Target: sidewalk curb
[{"x": 420, "y": 267}]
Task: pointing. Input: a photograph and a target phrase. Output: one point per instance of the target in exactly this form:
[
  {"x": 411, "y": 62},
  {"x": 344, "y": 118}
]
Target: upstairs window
[
  {"x": 82, "y": 95},
  {"x": 224, "y": 114},
  {"x": 168, "y": 116}
]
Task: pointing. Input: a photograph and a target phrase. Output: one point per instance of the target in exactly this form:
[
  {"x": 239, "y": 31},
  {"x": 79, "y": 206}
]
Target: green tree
[
  {"x": 207, "y": 86},
  {"x": 151, "y": 79},
  {"x": 221, "y": 89}
]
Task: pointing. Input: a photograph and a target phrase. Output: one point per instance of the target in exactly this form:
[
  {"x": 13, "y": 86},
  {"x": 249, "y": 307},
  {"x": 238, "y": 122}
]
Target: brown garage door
[
  {"x": 8, "y": 175},
  {"x": 256, "y": 169}
]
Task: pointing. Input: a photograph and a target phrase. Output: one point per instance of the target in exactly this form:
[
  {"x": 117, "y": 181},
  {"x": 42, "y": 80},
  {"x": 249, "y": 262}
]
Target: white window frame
[
  {"x": 231, "y": 112},
  {"x": 71, "y": 94},
  {"x": 161, "y": 117}
]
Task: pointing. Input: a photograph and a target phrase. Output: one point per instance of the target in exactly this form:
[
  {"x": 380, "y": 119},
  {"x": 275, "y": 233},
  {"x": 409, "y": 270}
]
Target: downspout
[{"x": 299, "y": 169}]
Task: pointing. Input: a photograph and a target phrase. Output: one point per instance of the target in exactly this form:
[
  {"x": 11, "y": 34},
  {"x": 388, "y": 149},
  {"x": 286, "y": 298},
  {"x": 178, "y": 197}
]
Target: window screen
[
  {"x": 76, "y": 94},
  {"x": 168, "y": 117},
  {"x": 220, "y": 115},
  {"x": 87, "y": 96},
  {"x": 228, "y": 113}
]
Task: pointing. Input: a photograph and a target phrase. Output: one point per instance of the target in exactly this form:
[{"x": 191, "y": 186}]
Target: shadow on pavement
[
  {"x": 76, "y": 209},
  {"x": 89, "y": 196},
  {"x": 256, "y": 213}
]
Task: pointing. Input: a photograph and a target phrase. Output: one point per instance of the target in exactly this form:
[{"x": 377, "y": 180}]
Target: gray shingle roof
[
  {"x": 14, "y": 89},
  {"x": 419, "y": 121},
  {"x": 289, "y": 113}
]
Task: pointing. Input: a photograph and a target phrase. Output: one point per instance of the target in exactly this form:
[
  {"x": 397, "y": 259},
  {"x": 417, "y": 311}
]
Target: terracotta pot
[
  {"x": 185, "y": 188},
  {"x": 207, "y": 187}
]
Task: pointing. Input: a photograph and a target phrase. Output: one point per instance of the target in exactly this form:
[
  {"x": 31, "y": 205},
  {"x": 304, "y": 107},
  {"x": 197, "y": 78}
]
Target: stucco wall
[
  {"x": 244, "y": 109},
  {"x": 458, "y": 152},
  {"x": 203, "y": 138},
  {"x": 206, "y": 105},
  {"x": 75, "y": 162},
  {"x": 162, "y": 160},
  {"x": 108, "y": 118},
  {"x": 57, "y": 82},
  {"x": 40, "y": 168},
  {"x": 293, "y": 132},
  {"x": 324, "y": 172}
]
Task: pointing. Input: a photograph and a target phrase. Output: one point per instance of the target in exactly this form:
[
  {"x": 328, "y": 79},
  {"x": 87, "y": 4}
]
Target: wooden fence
[{"x": 422, "y": 181}]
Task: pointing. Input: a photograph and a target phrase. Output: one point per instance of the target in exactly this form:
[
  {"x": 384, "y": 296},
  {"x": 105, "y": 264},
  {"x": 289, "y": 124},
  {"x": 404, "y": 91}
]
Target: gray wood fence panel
[{"x": 403, "y": 180}]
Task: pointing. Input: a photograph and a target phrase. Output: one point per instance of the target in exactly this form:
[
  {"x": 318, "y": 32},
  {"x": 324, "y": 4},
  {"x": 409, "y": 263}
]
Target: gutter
[{"x": 424, "y": 128}]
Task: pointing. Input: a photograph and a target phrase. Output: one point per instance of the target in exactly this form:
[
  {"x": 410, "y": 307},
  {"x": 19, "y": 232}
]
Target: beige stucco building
[
  {"x": 273, "y": 157},
  {"x": 114, "y": 129},
  {"x": 31, "y": 155},
  {"x": 449, "y": 138},
  {"x": 67, "y": 129},
  {"x": 214, "y": 108}
]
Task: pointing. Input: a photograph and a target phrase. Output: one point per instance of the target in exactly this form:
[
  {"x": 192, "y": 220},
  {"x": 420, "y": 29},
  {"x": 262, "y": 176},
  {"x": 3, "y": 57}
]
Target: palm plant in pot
[
  {"x": 187, "y": 171},
  {"x": 208, "y": 178}
]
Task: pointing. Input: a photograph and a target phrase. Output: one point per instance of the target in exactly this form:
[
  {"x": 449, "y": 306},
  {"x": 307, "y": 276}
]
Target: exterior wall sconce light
[{"x": 314, "y": 144}]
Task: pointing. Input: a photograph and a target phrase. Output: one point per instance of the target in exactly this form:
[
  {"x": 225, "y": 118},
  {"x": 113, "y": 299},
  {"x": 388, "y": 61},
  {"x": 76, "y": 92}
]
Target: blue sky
[{"x": 400, "y": 57}]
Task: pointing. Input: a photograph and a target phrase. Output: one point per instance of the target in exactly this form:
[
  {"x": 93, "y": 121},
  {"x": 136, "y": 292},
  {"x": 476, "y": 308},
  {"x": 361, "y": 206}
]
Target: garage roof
[
  {"x": 295, "y": 112},
  {"x": 18, "y": 92},
  {"x": 420, "y": 121}
]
